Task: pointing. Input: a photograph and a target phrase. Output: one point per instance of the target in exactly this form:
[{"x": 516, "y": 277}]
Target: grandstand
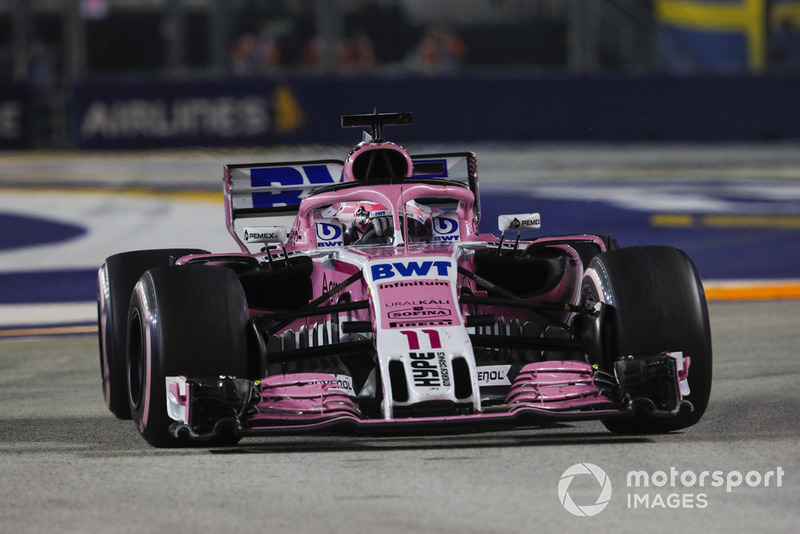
[{"x": 57, "y": 57}]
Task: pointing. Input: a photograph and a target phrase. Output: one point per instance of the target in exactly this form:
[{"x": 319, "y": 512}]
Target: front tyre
[
  {"x": 657, "y": 305},
  {"x": 183, "y": 321},
  {"x": 115, "y": 281}
]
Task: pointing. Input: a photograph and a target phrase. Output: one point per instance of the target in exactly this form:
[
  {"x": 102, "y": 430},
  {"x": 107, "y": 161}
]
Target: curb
[{"x": 752, "y": 290}]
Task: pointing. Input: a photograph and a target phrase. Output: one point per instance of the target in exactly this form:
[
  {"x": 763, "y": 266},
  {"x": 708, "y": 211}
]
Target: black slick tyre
[
  {"x": 183, "y": 321},
  {"x": 657, "y": 305},
  {"x": 115, "y": 281}
]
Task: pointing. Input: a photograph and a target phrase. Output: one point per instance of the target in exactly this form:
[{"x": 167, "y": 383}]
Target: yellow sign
[
  {"x": 289, "y": 116},
  {"x": 750, "y": 17}
]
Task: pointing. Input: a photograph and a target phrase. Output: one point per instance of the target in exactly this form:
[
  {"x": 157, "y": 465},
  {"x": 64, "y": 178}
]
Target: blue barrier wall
[{"x": 146, "y": 114}]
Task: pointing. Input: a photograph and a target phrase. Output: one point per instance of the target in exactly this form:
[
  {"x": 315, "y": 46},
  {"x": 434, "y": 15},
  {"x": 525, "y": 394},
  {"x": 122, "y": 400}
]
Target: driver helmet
[
  {"x": 365, "y": 214},
  {"x": 373, "y": 216}
]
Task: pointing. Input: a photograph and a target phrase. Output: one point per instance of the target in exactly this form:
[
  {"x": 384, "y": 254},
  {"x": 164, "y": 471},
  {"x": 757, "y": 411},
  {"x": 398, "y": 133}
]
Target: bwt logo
[
  {"x": 328, "y": 232},
  {"x": 285, "y": 177},
  {"x": 411, "y": 268},
  {"x": 329, "y": 235},
  {"x": 445, "y": 229}
]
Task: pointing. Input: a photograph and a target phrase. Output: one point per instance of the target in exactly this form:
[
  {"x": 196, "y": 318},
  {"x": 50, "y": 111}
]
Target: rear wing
[{"x": 274, "y": 191}]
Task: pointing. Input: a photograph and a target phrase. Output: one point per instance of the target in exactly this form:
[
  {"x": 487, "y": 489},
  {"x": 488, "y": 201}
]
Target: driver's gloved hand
[{"x": 382, "y": 226}]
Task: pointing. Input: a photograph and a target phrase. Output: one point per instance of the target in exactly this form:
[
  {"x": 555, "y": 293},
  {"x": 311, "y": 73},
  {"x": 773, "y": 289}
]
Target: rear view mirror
[
  {"x": 265, "y": 234},
  {"x": 519, "y": 222}
]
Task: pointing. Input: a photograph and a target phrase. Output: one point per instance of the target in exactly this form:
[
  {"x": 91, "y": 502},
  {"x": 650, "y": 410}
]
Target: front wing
[{"x": 542, "y": 393}]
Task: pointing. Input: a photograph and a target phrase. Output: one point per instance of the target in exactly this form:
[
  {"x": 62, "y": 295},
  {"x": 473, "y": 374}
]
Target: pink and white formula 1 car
[{"x": 363, "y": 299}]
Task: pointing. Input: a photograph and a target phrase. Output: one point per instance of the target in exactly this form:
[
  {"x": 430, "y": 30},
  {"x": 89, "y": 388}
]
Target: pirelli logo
[{"x": 413, "y": 324}]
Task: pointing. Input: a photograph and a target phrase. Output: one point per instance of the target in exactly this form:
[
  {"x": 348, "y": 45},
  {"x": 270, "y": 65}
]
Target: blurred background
[{"x": 106, "y": 74}]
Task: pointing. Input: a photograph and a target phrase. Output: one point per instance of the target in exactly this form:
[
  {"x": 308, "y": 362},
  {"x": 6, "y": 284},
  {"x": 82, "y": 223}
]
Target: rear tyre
[
  {"x": 183, "y": 320},
  {"x": 115, "y": 281},
  {"x": 657, "y": 305}
]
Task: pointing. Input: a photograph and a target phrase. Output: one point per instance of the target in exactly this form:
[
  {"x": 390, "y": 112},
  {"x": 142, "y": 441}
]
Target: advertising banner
[{"x": 263, "y": 112}]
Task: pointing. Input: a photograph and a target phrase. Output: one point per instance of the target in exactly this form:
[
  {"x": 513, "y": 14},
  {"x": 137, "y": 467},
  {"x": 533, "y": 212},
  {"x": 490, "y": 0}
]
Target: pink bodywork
[
  {"x": 555, "y": 385},
  {"x": 302, "y": 396}
]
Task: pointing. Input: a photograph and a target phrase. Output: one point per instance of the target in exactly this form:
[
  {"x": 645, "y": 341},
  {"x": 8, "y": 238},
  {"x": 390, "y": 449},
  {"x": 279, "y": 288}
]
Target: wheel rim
[
  {"x": 103, "y": 319},
  {"x": 102, "y": 339},
  {"x": 135, "y": 359}
]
